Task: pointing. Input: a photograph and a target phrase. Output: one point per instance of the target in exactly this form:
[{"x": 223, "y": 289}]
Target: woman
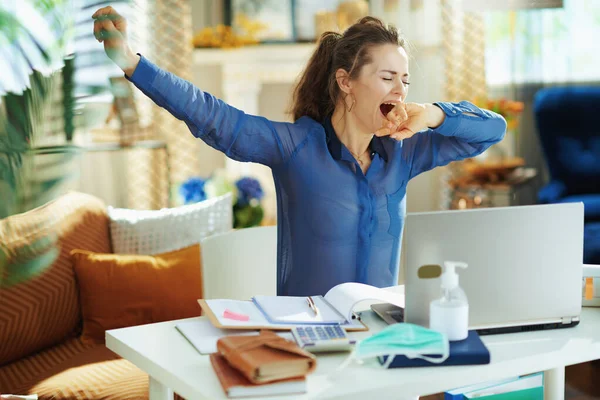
[{"x": 342, "y": 167}]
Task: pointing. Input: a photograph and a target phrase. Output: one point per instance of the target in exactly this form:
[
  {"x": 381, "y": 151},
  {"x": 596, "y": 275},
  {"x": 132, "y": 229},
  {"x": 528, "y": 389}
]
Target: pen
[{"x": 312, "y": 305}]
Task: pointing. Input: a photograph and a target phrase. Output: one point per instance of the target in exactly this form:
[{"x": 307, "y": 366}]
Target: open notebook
[{"x": 283, "y": 312}]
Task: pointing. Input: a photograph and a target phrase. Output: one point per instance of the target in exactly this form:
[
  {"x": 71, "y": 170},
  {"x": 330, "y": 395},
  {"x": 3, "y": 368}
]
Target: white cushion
[{"x": 159, "y": 231}]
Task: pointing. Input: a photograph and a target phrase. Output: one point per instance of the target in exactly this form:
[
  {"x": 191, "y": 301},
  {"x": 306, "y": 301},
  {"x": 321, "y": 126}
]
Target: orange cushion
[{"x": 120, "y": 290}]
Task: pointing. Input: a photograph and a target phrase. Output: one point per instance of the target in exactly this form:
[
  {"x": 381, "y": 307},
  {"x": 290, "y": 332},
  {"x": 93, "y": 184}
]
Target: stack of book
[
  {"x": 527, "y": 387},
  {"x": 262, "y": 365},
  {"x": 470, "y": 351}
]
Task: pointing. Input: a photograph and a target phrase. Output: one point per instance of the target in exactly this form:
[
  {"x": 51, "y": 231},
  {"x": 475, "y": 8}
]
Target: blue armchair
[{"x": 568, "y": 125}]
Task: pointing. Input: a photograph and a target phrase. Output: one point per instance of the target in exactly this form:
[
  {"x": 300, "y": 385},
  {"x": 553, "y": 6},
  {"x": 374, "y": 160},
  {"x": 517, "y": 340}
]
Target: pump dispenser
[{"x": 450, "y": 313}]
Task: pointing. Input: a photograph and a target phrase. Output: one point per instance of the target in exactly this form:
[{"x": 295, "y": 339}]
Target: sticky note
[
  {"x": 235, "y": 316},
  {"x": 589, "y": 288}
]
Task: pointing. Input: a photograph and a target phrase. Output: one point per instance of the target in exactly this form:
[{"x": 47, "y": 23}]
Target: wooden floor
[{"x": 582, "y": 383}]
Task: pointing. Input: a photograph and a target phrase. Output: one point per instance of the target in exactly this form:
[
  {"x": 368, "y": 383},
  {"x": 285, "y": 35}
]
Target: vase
[{"x": 505, "y": 149}]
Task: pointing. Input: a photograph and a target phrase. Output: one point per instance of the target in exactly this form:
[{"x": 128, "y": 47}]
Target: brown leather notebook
[
  {"x": 266, "y": 357},
  {"x": 235, "y": 384}
]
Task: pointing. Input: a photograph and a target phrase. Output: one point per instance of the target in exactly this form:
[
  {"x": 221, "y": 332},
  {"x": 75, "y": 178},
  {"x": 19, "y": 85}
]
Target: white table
[{"x": 174, "y": 365}]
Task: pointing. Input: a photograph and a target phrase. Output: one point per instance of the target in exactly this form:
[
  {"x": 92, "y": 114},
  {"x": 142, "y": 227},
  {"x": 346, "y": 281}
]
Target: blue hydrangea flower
[
  {"x": 248, "y": 189},
  {"x": 192, "y": 190}
]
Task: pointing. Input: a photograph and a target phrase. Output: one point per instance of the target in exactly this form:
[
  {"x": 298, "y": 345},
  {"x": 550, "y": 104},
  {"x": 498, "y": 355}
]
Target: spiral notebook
[{"x": 283, "y": 312}]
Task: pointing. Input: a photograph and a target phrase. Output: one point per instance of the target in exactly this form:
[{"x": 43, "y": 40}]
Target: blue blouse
[{"x": 334, "y": 223}]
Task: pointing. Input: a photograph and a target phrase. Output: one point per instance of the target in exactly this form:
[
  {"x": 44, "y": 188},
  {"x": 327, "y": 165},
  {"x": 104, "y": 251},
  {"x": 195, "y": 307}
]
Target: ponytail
[{"x": 315, "y": 93}]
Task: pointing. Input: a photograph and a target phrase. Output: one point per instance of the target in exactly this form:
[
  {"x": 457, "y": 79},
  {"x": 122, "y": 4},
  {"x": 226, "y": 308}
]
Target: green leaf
[
  {"x": 30, "y": 261},
  {"x": 247, "y": 216}
]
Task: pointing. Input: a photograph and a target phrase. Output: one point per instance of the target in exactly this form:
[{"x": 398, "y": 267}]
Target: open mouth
[{"x": 386, "y": 108}]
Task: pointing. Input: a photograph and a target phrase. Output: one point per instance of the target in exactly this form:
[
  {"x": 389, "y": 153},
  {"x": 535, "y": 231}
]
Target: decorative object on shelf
[
  {"x": 225, "y": 37},
  {"x": 475, "y": 184},
  {"x": 123, "y": 100},
  {"x": 314, "y": 17},
  {"x": 247, "y": 194},
  {"x": 125, "y": 109},
  {"x": 511, "y": 111},
  {"x": 349, "y": 12},
  {"x": 490, "y": 172},
  {"x": 338, "y": 19},
  {"x": 415, "y": 5},
  {"x": 325, "y": 21},
  {"x": 276, "y": 15}
]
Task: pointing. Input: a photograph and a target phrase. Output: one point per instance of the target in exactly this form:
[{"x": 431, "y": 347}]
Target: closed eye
[
  {"x": 406, "y": 83},
  {"x": 387, "y": 79}
]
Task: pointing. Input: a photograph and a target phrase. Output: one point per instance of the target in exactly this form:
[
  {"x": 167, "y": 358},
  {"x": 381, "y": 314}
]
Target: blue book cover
[{"x": 465, "y": 352}]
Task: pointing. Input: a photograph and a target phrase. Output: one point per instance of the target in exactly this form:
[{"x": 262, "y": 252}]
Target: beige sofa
[{"x": 40, "y": 319}]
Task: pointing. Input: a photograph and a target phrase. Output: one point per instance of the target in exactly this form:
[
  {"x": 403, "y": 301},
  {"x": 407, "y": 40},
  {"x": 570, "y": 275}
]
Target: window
[{"x": 545, "y": 45}]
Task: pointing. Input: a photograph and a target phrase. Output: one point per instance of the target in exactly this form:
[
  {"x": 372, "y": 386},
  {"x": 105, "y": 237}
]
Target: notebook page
[
  {"x": 295, "y": 310},
  {"x": 345, "y": 296}
]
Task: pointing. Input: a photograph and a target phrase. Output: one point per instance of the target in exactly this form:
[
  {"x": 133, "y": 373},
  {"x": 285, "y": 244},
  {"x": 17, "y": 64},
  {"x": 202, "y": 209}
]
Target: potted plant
[{"x": 37, "y": 99}]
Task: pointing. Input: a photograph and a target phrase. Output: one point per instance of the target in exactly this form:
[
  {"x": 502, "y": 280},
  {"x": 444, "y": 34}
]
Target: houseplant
[{"x": 37, "y": 89}]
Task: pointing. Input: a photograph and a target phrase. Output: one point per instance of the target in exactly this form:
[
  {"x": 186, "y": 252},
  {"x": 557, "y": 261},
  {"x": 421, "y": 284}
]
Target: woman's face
[{"x": 380, "y": 84}]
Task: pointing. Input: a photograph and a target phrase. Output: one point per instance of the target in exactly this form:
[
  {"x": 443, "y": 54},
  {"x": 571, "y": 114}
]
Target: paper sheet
[{"x": 203, "y": 335}]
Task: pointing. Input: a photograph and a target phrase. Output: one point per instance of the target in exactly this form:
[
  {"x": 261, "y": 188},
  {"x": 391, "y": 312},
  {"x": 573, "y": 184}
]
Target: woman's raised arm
[{"x": 238, "y": 135}]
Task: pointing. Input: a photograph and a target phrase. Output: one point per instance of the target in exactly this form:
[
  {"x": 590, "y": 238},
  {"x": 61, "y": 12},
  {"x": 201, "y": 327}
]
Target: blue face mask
[{"x": 412, "y": 341}]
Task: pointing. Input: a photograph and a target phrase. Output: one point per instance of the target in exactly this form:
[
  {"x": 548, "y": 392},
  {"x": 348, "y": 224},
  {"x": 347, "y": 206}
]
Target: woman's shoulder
[
  {"x": 302, "y": 127},
  {"x": 308, "y": 123}
]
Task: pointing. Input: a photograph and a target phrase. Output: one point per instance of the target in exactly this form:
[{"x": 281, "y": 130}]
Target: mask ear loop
[
  {"x": 388, "y": 361},
  {"x": 438, "y": 360},
  {"x": 351, "y": 357}
]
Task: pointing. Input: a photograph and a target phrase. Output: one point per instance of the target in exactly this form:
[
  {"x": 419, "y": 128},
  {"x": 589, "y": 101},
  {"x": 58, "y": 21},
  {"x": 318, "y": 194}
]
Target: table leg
[
  {"x": 158, "y": 391},
  {"x": 554, "y": 384}
]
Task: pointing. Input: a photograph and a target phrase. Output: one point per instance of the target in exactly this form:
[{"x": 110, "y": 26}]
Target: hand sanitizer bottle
[{"x": 450, "y": 313}]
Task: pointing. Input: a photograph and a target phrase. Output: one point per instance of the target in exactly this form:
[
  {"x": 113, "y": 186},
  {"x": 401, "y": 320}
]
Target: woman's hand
[
  {"x": 110, "y": 28},
  {"x": 406, "y": 119}
]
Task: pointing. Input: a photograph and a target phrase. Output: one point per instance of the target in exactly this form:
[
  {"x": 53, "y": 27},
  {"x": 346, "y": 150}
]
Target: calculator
[{"x": 322, "y": 338}]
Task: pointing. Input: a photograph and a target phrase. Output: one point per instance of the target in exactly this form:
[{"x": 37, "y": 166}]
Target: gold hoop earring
[{"x": 349, "y": 109}]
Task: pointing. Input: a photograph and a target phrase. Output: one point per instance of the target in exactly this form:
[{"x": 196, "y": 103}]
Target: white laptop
[{"x": 524, "y": 264}]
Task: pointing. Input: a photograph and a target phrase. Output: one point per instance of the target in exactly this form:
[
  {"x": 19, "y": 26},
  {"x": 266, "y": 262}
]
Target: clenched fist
[
  {"x": 110, "y": 28},
  {"x": 406, "y": 119}
]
